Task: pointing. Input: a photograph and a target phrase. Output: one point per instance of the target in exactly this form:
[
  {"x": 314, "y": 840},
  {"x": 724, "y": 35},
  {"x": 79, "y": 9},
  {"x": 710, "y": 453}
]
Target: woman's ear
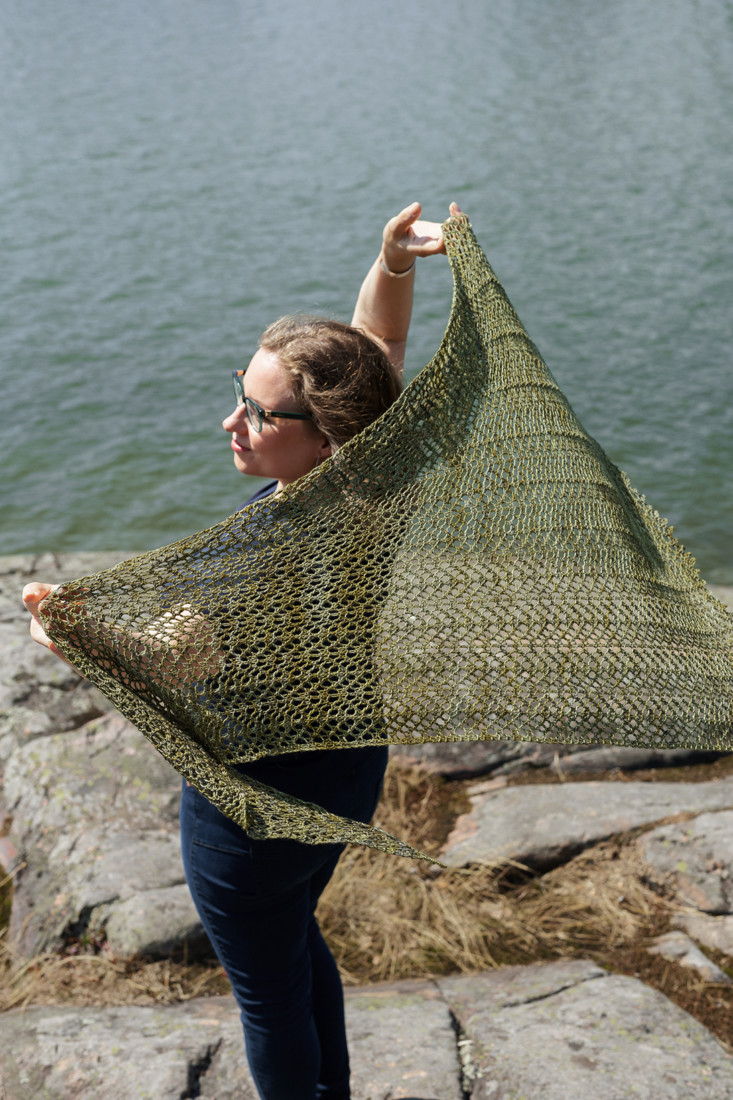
[{"x": 326, "y": 449}]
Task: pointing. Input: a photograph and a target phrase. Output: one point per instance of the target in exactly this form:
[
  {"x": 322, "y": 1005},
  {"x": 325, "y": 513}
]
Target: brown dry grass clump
[
  {"x": 388, "y": 918},
  {"x": 102, "y": 980}
]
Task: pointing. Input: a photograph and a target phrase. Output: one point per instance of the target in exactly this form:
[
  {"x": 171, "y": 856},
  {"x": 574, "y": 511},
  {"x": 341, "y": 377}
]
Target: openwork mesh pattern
[{"x": 471, "y": 566}]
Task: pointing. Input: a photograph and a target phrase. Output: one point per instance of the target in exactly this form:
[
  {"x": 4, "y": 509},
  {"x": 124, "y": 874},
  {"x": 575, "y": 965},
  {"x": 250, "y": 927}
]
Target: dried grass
[
  {"x": 390, "y": 919},
  {"x": 101, "y": 979}
]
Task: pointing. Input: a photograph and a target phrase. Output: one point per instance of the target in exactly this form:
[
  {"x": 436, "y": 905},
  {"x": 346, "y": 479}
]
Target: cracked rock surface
[
  {"x": 562, "y": 1031},
  {"x": 568, "y": 1030},
  {"x": 90, "y": 809},
  {"x": 464, "y": 760},
  {"x": 38, "y": 693},
  {"x": 544, "y": 826},
  {"x": 95, "y": 819},
  {"x": 698, "y": 856},
  {"x": 695, "y": 858}
]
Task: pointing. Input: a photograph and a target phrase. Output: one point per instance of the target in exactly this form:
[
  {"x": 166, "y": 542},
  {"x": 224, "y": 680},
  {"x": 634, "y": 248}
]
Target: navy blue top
[{"x": 265, "y": 491}]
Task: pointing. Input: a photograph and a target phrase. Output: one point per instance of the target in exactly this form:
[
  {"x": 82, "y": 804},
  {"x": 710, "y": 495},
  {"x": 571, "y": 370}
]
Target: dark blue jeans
[{"x": 257, "y": 901}]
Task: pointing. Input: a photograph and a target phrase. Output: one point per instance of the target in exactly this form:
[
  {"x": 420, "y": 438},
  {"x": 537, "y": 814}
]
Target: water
[{"x": 176, "y": 175}]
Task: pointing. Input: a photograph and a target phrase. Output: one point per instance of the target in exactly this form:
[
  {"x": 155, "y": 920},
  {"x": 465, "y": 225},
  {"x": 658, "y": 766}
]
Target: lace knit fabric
[{"x": 472, "y": 566}]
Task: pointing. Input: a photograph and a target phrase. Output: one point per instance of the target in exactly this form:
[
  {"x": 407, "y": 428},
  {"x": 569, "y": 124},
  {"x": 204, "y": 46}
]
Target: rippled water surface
[{"x": 175, "y": 175}]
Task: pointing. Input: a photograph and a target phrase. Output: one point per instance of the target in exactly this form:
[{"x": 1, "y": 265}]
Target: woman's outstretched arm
[{"x": 384, "y": 306}]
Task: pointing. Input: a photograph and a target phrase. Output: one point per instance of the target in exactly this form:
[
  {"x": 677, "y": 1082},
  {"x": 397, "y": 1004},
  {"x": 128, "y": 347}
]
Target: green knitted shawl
[{"x": 472, "y": 566}]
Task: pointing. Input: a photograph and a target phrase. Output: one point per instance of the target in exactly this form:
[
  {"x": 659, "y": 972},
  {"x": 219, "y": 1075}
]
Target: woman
[{"x": 311, "y": 385}]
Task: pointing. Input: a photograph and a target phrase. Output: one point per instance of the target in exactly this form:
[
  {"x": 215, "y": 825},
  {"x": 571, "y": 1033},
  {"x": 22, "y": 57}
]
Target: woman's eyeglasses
[{"x": 255, "y": 413}]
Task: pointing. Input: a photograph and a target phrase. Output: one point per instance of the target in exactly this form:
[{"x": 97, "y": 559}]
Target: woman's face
[{"x": 284, "y": 449}]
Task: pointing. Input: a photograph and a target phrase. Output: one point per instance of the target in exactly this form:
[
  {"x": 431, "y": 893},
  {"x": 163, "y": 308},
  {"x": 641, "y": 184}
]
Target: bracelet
[{"x": 396, "y": 274}]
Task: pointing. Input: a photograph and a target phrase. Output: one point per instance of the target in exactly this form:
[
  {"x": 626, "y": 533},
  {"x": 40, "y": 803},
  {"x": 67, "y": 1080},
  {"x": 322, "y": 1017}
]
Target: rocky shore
[{"x": 90, "y": 836}]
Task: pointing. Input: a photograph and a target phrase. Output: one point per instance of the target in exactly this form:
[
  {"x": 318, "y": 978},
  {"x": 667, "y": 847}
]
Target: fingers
[
  {"x": 35, "y": 593},
  {"x": 33, "y": 596},
  {"x": 398, "y": 229},
  {"x": 405, "y": 234},
  {"x": 406, "y": 217},
  {"x": 427, "y": 237},
  {"x": 38, "y": 634}
]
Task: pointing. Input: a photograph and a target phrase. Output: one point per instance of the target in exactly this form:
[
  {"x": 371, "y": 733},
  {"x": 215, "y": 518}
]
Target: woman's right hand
[
  {"x": 33, "y": 596},
  {"x": 174, "y": 635}
]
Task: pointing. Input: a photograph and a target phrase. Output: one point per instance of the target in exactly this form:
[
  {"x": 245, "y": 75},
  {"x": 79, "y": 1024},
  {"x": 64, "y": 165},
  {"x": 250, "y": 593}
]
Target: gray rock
[
  {"x": 467, "y": 759},
  {"x": 678, "y": 947},
  {"x": 95, "y": 823},
  {"x": 544, "y": 826},
  {"x": 713, "y": 932},
  {"x": 155, "y": 922},
  {"x": 610, "y": 758},
  {"x": 568, "y": 1031},
  {"x": 38, "y": 693},
  {"x": 563, "y": 1031},
  {"x": 697, "y": 856},
  {"x": 463, "y": 759},
  {"x": 50, "y": 567},
  {"x": 125, "y": 1053},
  {"x": 103, "y": 774},
  {"x": 402, "y": 1043},
  {"x": 94, "y": 828}
]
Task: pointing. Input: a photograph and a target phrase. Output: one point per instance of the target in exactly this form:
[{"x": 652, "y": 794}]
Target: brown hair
[{"x": 341, "y": 377}]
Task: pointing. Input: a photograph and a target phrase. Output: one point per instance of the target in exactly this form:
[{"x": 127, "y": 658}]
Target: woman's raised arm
[{"x": 384, "y": 306}]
